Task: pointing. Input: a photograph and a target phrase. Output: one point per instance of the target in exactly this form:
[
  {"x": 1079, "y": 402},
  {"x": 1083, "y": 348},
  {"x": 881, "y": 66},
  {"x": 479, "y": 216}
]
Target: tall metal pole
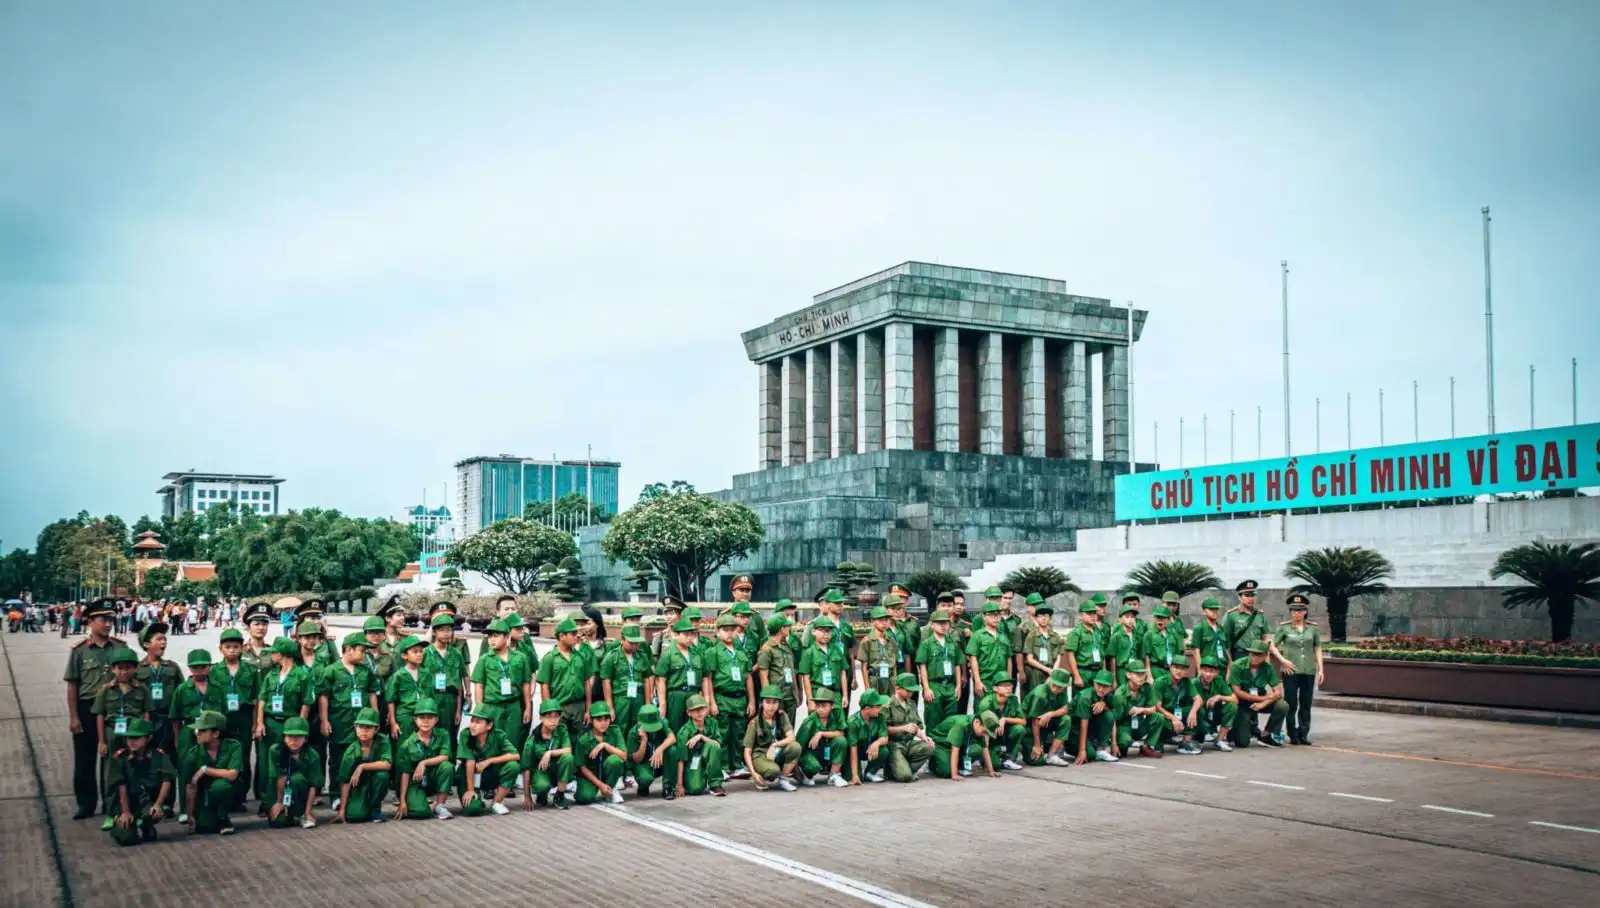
[
  {"x": 1285, "y": 265},
  {"x": 1319, "y": 426},
  {"x": 1131, "y": 458},
  {"x": 1574, "y": 390},
  {"x": 1530, "y": 397},
  {"x": 1488, "y": 316},
  {"x": 1380, "y": 416},
  {"x": 1416, "y": 418},
  {"x": 1258, "y": 431},
  {"x": 1348, "y": 444},
  {"x": 588, "y": 480},
  {"x": 1155, "y": 443},
  {"x": 1231, "y": 457},
  {"x": 1452, "y": 406},
  {"x": 553, "y": 467},
  {"x": 1180, "y": 442},
  {"x": 1205, "y": 438}
]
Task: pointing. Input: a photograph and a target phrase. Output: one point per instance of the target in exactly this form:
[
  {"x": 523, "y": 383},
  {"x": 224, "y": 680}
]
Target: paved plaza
[{"x": 1387, "y": 810}]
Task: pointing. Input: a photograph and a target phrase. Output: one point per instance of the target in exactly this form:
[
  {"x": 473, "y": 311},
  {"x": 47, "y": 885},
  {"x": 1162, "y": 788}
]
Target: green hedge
[{"x": 1351, "y": 652}]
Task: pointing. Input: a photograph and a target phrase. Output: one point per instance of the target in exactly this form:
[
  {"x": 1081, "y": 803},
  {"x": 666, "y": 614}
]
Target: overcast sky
[{"x": 352, "y": 243}]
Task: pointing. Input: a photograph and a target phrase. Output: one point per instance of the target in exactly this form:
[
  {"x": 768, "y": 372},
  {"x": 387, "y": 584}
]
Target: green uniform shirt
[
  {"x": 1124, "y": 647},
  {"x": 232, "y": 688},
  {"x": 525, "y": 647},
  {"x": 712, "y": 730},
  {"x": 864, "y": 731},
  {"x": 1084, "y": 643},
  {"x": 681, "y": 670},
  {"x": 229, "y": 756},
  {"x": 761, "y": 734},
  {"x": 117, "y": 704},
  {"x": 880, "y": 658},
  {"x": 991, "y": 703},
  {"x": 901, "y": 712},
  {"x": 443, "y": 672},
  {"x": 954, "y": 731},
  {"x": 1083, "y": 704},
  {"x": 307, "y": 764},
  {"x": 142, "y": 775},
  {"x": 284, "y": 695},
  {"x": 587, "y": 657},
  {"x": 414, "y": 750},
  {"x": 942, "y": 659},
  {"x": 1043, "y": 645},
  {"x": 626, "y": 673},
  {"x": 538, "y": 745},
  {"x": 909, "y": 633},
  {"x": 831, "y": 750},
  {"x": 161, "y": 681},
  {"x": 1177, "y": 696},
  {"x": 348, "y": 692},
  {"x": 378, "y": 751},
  {"x": 493, "y": 745},
  {"x": 826, "y": 669},
  {"x": 1168, "y": 646},
  {"x": 188, "y": 702},
  {"x": 492, "y": 670},
  {"x": 1210, "y": 641},
  {"x": 380, "y": 666},
  {"x": 1219, "y": 687},
  {"x": 1299, "y": 646},
  {"x": 1124, "y": 699},
  {"x": 993, "y": 652},
  {"x": 567, "y": 675},
  {"x": 1239, "y": 629},
  {"x": 90, "y": 666},
  {"x": 729, "y": 669},
  {"x": 778, "y": 661},
  {"x": 750, "y": 640},
  {"x": 588, "y": 741},
  {"x": 1042, "y": 699},
  {"x": 1253, "y": 681},
  {"x": 405, "y": 689}
]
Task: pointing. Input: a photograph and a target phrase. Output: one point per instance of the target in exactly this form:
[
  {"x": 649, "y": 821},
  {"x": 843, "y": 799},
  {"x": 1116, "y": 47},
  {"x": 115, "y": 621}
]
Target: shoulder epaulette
[{"x": 80, "y": 643}]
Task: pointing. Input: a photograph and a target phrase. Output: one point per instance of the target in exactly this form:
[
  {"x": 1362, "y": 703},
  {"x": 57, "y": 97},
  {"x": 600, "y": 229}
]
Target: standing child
[
  {"x": 444, "y": 668},
  {"x": 426, "y": 767},
  {"x": 159, "y": 676},
  {"x": 233, "y": 694},
  {"x": 406, "y": 685},
  {"x": 139, "y": 781},
  {"x": 362, "y": 771},
  {"x": 344, "y": 692},
  {"x": 678, "y": 671},
  {"x": 502, "y": 684},
  {"x": 286, "y": 693},
  {"x": 626, "y": 681},
  {"x": 119, "y": 701}
]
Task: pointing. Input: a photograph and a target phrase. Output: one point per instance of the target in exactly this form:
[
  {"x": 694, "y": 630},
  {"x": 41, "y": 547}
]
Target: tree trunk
[
  {"x": 1561, "y": 611},
  {"x": 1338, "y": 617}
]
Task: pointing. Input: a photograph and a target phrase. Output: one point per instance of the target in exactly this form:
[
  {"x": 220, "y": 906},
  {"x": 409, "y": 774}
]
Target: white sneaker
[
  {"x": 441, "y": 812},
  {"x": 499, "y": 809},
  {"x": 837, "y": 781},
  {"x": 875, "y": 776},
  {"x": 616, "y": 796},
  {"x": 335, "y": 805},
  {"x": 1056, "y": 760},
  {"x": 808, "y": 781},
  {"x": 628, "y": 782},
  {"x": 518, "y": 786},
  {"x": 572, "y": 787},
  {"x": 785, "y": 784},
  {"x": 738, "y": 774},
  {"x": 1223, "y": 745},
  {"x": 1104, "y": 756},
  {"x": 1210, "y": 736},
  {"x": 966, "y": 772},
  {"x": 307, "y": 823},
  {"x": 183, "y": 818},
  {"x": 1012, "y": 765}
]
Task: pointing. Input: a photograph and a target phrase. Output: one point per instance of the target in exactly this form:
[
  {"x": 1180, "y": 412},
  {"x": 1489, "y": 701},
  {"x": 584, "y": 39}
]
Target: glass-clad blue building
[{"x": 490, "y": 489}]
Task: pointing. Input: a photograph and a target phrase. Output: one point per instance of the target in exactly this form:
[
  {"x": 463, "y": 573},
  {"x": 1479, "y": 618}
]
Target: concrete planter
[{"x": 1514, "y": 686}]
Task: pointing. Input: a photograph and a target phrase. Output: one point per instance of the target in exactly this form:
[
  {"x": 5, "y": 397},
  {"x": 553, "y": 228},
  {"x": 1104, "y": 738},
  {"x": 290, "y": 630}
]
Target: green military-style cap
[
  {"x": 285, "y": 646},
  {"x": 1098, "y": 598},
  {"x": 650, "y": 718},
  {"x": 771, "y": 692},
  {"x": 232, "y": 635},
  {"x": 498, "y": 626},
  {"x": 691, "y": 612},
  {"x": 833, "y": 596},
  {"x": 1106, "y": 678},
  {"x": 1160, "y": 611},
  {"x": 727, "y": 621},
  {"x": 409, "y": 642},
  {"x": 600, "y": 709},
  {"x": 820, "y": 695},
  {"x": 1129, "y": 608},
  {"x": 997, "y": 680},
  {"x": 946, "y": 596},
  {"x": 294, "y": 725},
  {"x": 1130, "y": 596},
  {"x": 1086, "y": 607},
  {"x": 150, "y": 630},
  {"x": 993, "y": 592},
  {"x": 425, "y": 707},
  {"x": 777, "y": 623},
  {"x": 1044, "y": 608},
  {"x": 1034, "y": 599},
  {"x": 907, "y": 681},
  {"x": 567, "y": 626},
  {"x": 1060, "y": 677},
  {"x": 869, "y": 698},
  {"x": 484, "y": 712},
  {"x": 210, "y": 720},
  {"x": 138, "y": 727},
  {"x": 1298, "y": 602},
  {"x": 989, "y": 721},
  {"x": 199, "y": 657},
  {"x": 823, "y": 623},
  {"x": 354, "y": 641},
  {"x": 741, "y": 608},
  {"x": 373, "y": 624},
  {"x": 878, "y": 612},
  {"x": 546, "y": 707},
  {"x": 696, "y": 701},
  {"x": 741, "y": 581},
  {"x": 893, "y": 600},
  {"x": 122, "y": 655},
  {"x": 631, "y": 612},
  {"x": 631, "y": 633},
  {"x": 939, "y": 616},
  {"x": 514, "y": 620},
  {"x": 1210, "y": 662},
  {"x": 308, "y": 629},
  {"x": 990, "y": 606},
  {"x": 367, "y": 716},
  {"x": 1134, "y": 668},
  {"x": 683, "y": 626},
  {"x": 1256, "y": 646},
  {"x": 786, "y": 605},
  {"x": 443, "y": 619},
  {"x": 1171, "y": 596},
  {"x": 1211, "y": 603}
]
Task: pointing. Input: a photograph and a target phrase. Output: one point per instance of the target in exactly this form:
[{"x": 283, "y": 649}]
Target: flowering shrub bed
[{"x": 1472, "y": 651}]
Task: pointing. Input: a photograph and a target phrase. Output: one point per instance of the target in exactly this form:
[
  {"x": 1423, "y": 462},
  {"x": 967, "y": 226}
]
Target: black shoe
[
  {"x": 644, "y": 791},
  {"x": 669, "y": 794},
  {"x": 147, "y": 833},
  {"x": 261, "y": 811},
  {"x": 1268, "y": 740},
  {"x": 560, "y": 800},
  {"x": 1305, "y": 740},
  {"x": 543, "y": 800},
  {"x": 83, "y": 813}
]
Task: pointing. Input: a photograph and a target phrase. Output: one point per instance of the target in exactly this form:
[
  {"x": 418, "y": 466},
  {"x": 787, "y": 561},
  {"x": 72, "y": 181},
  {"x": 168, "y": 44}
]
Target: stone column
[
  {"x": 991, "y": 394},
  {"x": 1033, "y": 397},
  {"x": 1114, "y": 406},
  {"x": 947, "y": 390},
  {"x": 1077, "y": 442},
  {"x": 818, "y": 398},
  {"x": 869, "y": 391},
  {"x": 898, "y": 406},
  {"x": 769, "y": 418},
  {"x": 842, "y": 408},
  {"x": 794, "y": 409}
]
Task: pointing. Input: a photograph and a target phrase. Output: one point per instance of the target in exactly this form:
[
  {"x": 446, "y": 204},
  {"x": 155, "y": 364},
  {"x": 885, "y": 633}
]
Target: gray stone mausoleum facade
[{"x": 929, "y": 416}]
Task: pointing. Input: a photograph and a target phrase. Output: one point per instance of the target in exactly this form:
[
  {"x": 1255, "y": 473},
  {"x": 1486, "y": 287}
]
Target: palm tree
[
  {"x": 1154, "y": 578},
  {"x": 1045, "y": 580},
  {"x": 1559, "y": 575},
  {"x": 1339, "y": 574}
]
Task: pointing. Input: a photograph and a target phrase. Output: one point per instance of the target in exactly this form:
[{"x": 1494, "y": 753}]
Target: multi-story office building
[
  {"x": 193, "y": 491},
  {"x": 490, "y": 489},
  {"x": 432, "y": 523}
]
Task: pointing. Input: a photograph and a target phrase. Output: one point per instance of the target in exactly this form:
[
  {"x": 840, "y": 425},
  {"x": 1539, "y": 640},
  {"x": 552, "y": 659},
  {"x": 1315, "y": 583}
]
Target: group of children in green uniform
[{"x": 390, "y": 714}]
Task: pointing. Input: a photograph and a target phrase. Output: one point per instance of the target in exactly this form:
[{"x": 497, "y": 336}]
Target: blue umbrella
[{"x": 15, "y": 602}]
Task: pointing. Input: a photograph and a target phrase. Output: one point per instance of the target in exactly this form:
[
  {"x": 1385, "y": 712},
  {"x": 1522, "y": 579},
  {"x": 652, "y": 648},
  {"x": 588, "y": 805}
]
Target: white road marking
[
  {"x": 1465, "y": 813},
  {"x": 1346, "y": 794},
  {"x": 1201, "y": 775},
  {"x": 1563, "y": 826},
  {"x": 825, "y": 878},
  {"x": 1132, "y": 765},
  {"x": 1276, "y": 785}
]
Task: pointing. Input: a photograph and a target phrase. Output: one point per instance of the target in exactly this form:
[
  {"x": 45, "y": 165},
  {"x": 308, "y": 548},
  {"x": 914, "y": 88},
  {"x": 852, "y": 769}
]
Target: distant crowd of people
[{"x": 128, "y": 615}]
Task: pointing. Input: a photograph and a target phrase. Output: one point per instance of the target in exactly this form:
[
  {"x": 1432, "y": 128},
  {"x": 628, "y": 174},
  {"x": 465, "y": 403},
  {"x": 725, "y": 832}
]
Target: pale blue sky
[{"x": 352, "y": 243}]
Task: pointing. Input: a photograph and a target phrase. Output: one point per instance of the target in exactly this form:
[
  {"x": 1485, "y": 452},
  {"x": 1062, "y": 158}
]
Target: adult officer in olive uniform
[
  {"x": 257, "y": 652},
  {"x": 88, "y": 670},
  {"x": 1243, "y": 625},
  {"x": 1300, "y": 643}
]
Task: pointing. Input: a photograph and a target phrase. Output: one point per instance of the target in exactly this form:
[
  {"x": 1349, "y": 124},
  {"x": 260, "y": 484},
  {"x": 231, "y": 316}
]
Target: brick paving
[{"x": 1101, "y": 833}]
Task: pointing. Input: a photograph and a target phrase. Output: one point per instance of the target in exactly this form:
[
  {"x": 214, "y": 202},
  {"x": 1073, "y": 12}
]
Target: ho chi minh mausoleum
[{"x": 929, "y": 416}]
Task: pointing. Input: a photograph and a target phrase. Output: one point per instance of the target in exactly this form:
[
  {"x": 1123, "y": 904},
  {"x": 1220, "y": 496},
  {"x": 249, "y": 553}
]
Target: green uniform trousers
[
  {"x": 881, "y": 764},
  {"x": 702, "y": 767},
  {"x": 212, "y": 798},
  {"x": 1008, "y": 745},
  {"x": 906, "y": 757},
  {"x": 366, "y": 797},
  {"x": 939, "y": 765},
  {"x": 435, "y": 779},
  {"x": 297, "y": 789},
  {"x": 1149, "y": 730},
  {"x": 574, "y": 715},
  {"x": 1099, "y": 734},
  {"x": 827, "y": 759},
  {"x": 731, "y": 713},
  {"x": 768, "y": 768},
  {"x": 790, "y": 707},
  {"x": 500, "y": 775},
  {"x": 626, "y": 715},
  {"x": 266, "y": 789},
  {"x": 645, "y": 774},
  {"x": 1246, "y": 723},
  {"x": 610, "y": 773},
  {"x": 942, "y": 706},
  {"x": 241, "y": 725},
  {"x": 507, "y": 718},
  {"x": 1049, "y": 732},
  {"x": 677, "y": 707},
  {"x": 561, "y": 771},
  {"x": 1217, "y": 720}
]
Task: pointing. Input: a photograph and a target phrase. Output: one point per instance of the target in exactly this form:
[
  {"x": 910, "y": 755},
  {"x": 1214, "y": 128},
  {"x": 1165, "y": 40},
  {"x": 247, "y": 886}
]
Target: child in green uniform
[
  {"x": 407, "y": 685},
  {"x": 298, "y": 773},
  {"x": 776, "y": 663},
  {"x": 771, "y": 753},
  {"x": 1140, "y": 724},
  {"x": 653, "y": 755},
  {"x": 1180, "y": 705},
  {"x": 1005, "y": 743},
  {"x": 1219, "y": 707},
  {"x": 444, "y": 670},
  {"x": 362, "y": 772},
  {"x": 547, "y": 761},
  {"x": 521, "y": 642},
  {"x": 192, "y": 698},
  {"x": 1085, "y": 655},
  {"x": 212, "y": 769},
  {"x": 601, "y": 758},
  {"x": 121, "y": 700},
  {"x": 1125, "y": 648},
  {"x": 1094, "y": 722},
  {"x": 1040, "y": 646},
  {"x": 502, "y": 683},
  {"x": 139, "y": 780},
  {"x": 939, "y": 666},
  {"x": 486, "y": 762},
  {"x": 426, "y": 767},
  {"x": 728, "y": 679},
  {"x": 380, "y": 664},
  {"x": 286, "y": 692},
  {"x": 909, "y": 744},
  {"x": 159, "y": 676},
  {"x": 233, "y": 693},
  {"x": 988, "y": 650},
  {"x": 1259, "y": 691},
  {"x": 1046, "y": 707},
  {"x": 679, "y": 672},
  {"x": 822, "y": 664},
  {"x": 1206, "y": 638},
  {"x": 879, "y": 654},
  {"x": 564, "y": 676},
  {"x": 699, "y": 749},
  {"x": 957, "y": 738},
  {"x": 1165, "y": 644},
  {"x": 869, "y": 739},
  {"x": 825, "y": 742},
  {"x": 344, "y": 691},
  {"x": 625, "y": 679}
]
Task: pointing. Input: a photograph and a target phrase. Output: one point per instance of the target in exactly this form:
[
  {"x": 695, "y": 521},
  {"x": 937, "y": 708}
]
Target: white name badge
[
  {"x": 966, "y": 763},
  {"x": 505, "y": 686},
  {"x": 438, "y": 680},
  {"x": 120, "y": 727},
  {"x": 688, "y": 676},
  {"x": 788, "y": 675},
  {"x": 158, "y": 690},
  {"x": 948, "y": 668},
  {"x": 827, "y": 751},
  {"x": 1135, "y": 721},
  {"x": 827, "y": 678},
  {"x": 883, "y": 670},
  {"x": 734, "y": 673},
  {"x": 355, "y": 699},
  {"x": 288, "y": 797},
  {"x": 277, "y": 703},
  {"x": 1044, "y": 654},
  {"x": 233, "y": 703},
  {"x": 1096, "y": 656},
  {"x": 477, "y": 780},
  {"x": 633, "y": 688}
]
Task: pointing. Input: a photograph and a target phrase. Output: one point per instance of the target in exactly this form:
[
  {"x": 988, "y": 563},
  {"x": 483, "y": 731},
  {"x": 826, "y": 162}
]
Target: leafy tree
[
  {"x": 685, "y": 536},
  {"x": 115, "y": 529},
  {"x": 1045, "y": 580},
  {"x": 1155, "y": 578},
  {"x": 657, "y": 489},
  {"x": 158, "y": 580},
  {"x": 192, "y": 590},
  {"x": 1339, "y": 574},
  {"x": 311, "y": 549},
  {"x": 510, "y": 552},
  {"x": 929, "y": 584},
  {"x": 16, "y": 573},
  {"x": 570, "y": 584},
  {"x": 450, "y": 581},
  {"x": 1559, "y": 576},
  {"x": 571, "y": 510},
  {"x": 845, "y": 578},
  {"x": 144, "y": 524},
  {"x": 220, "y": 518},
  {"x": 184, "y": 537},
  {"x": 640, "y": 580},
  {"x": 55, "y": 573}
]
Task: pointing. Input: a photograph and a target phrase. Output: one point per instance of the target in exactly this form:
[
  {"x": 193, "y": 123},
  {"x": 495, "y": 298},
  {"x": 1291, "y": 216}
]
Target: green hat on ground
[
  {"x": 632, "y": 633},
  {"x": 367, "y": 716},
  {"x": 122, "y": 655},
  {"x": 820, "y": 695},
  {"x": 600, "y": 709},
  {"x": 777, "y": 623},
  {"x": 1170, "y": 596},
  {"x": 946, "y": 597},
  {"x": 683, "y": 626},
  {"x": 990, "y": 607},
  {"x": 485, "y": 712},
  {"x": 1061, "y": 678},
  {"x": 869, "y": 698},
  {"x": 878, "y": 612},
  {"x": 632, "y": 611},
  {"x": 353, "y": 641},
  {"x": 308, "y": 629},
  {"x": 285, "y": 646},
  {"x": 1106, "y": 678},
  {"x": 1160, "y": 611},
  {"x": 373, "y": 624},
  {"x": 209, "y": 720},
  {"x": 1086, "y": 606},
  {"x": 1044, "y": 608},
  {"x": 232, "y": 635},
  {"x": 993, "y": 592},
  {"x": 498, "y": 626},
  {"x": 741, "y": 608},
  {"x": 696, "y": 701},
  {"x": 990, "y": 722},
  {"x": 1034, "y": 599},
  {"x": 138, "y": 727},
  {"x": 443, "y": 619},
  {"x": 1211, "y": 603},
  {"x": 1098, "y": 598},
  {"x": 650, "y": 718},
  {"x": 567, "y": 626},
  {"x": 1210, "y": 662},
  {"x": 1129, "y": 607},
  {"x": 1131, "y": 596},
  {"x": 939, "y": 615},
  {"x": 199, "y": 657},
  {"x": 1256, "y": 646},
  {"x": 907, "y": 681},
  {"x": 546, "y": 707},
  {"x": 514, "y": 620},
  {"x": 785, "y": 604},
  {"x": 410, "y": 641},
  {"x": 772, "y": 692},
  {"x": 893, "y": 600},
  {"x": 823, "y": 623},
  {"x": 294, "y": 725},
  {"x": 425, "y": 707},
  {"x": 727, "y": 621}
]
